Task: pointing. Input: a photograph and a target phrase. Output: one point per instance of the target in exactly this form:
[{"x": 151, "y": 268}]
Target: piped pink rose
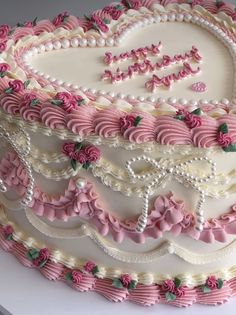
[
  {"x": 68, "y": 149},
  {"x": 114, "y": 11},
  {"x": 16, "y": 86},
  {"x": 4, "y": 68},
  {"x": 4, "y": 30},
  {"x": 132, "y": 4},
  {"x": 212, "y": 283},
  {"x": 129, "y": 121},
  {"x": 8, "y": 231},
  {"x": 99, "y": 24},
  {"x": 76, "y": 276},
  {"x": 224, "y": 139},
  {"x": 168, "y": 285},
  {"x": 91, "y": 267},
  {"x": 3, "y": 46},
  {"x": 30, "y": 99},
  {"x": 60, "y": 19},
  {"x": 126, "y": 280},
  {"x": 192, "y": 119},
  {"x": 38, "y": 257}
]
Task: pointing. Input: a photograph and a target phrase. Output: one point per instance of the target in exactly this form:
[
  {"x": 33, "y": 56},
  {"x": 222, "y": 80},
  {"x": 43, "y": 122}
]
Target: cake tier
[{"x": 128, "y": 194}]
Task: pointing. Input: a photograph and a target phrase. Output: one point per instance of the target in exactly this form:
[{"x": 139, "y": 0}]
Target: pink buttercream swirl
[
  {"x": 224, "y": 139},
  {"x": 129, "y": 121}
]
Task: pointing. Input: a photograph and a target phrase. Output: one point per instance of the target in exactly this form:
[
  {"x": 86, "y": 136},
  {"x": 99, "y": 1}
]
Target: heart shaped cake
[{"x": 117, "y": 167}]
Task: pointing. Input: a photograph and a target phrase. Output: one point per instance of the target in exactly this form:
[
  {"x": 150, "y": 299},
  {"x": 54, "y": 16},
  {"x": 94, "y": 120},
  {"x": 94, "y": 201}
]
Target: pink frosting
[
  {"x": 205, "y": 135},
  {"x": 105, "y": 288},
  {"x": 53, "y": 117},
  {"x": 107, "y": 123},
  {"x": 44, "y": 26},
  {"x": 215, "y": 297},
  {"x": 177, "y": 134},
  {"x": 146, "y": 295},
  {"x": 81, "y": 121},
  {"x": 5, "y": 244},
  {"x": 21, "y": 32},
  {"x": 52, "y": 270},
  {"x": 144, "y": 132},
  {"x": 10, "y": 102},
  {"x": 21, "y": 254}
]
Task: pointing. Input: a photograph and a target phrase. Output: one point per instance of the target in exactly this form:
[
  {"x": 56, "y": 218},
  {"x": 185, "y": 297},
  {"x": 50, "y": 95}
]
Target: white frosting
[{"x": 84, "y": 66}]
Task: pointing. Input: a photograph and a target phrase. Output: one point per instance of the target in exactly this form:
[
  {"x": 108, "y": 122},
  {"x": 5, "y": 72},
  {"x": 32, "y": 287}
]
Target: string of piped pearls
[
  {"x": 22, "y": 153},
  {"x": 177, "y": 171}
]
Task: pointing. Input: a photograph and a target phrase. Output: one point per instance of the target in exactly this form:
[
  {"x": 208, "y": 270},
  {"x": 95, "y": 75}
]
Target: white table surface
[{"x": 25, "y": 291}]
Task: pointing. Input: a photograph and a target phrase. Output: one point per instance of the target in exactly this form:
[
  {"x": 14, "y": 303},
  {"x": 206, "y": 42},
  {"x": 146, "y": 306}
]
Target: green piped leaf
[
  {"x": 223, "y": 128},
  {"x": 81, "y": 101},
  {"x": 73, "y": 164},
  {"x": 132, "y": 285},
  {"x": 43, "y": 263},
  {"x": 20, "y": 24},
  {"x": 179, "y": 117},
  {"x": 119, "y": 7},
  {"x": 220, "y": 283},
  {"x": 35, "y": 21},
  {"x": 86, "y": 165},
  {"x": 177, "y": 282},
  {"x": 106, "y": 21},
  {"x": 205, "y": 289},
  {"x": 137, "y": 120},
  {"x": 117, "y": 283},
  {"x": 170, "y": 296},
  {"x": 88, "y": 18},
  {"x": 26, "y": 83},
  {"x": 78, "y": 146},
  {"x": 65, "y": 19},
  {"x": 197, "y": 112},
  {"x": 8, "y": 90},
  {"x": 68, "y": 276},
  {"x": 34, "y": 102},
  {"x": 2, "y": 74},
  {"x": 9, "y": 237},
  {"x": 230, "y": 148},
  {"x": 32, "y": 254},
  {"x": 95, "y": 270},
  {"x": 56, "y": 102}
]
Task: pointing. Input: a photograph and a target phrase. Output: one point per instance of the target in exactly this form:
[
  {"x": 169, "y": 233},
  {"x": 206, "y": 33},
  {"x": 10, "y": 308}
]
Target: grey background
[{"x": 14, "y": 11}]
